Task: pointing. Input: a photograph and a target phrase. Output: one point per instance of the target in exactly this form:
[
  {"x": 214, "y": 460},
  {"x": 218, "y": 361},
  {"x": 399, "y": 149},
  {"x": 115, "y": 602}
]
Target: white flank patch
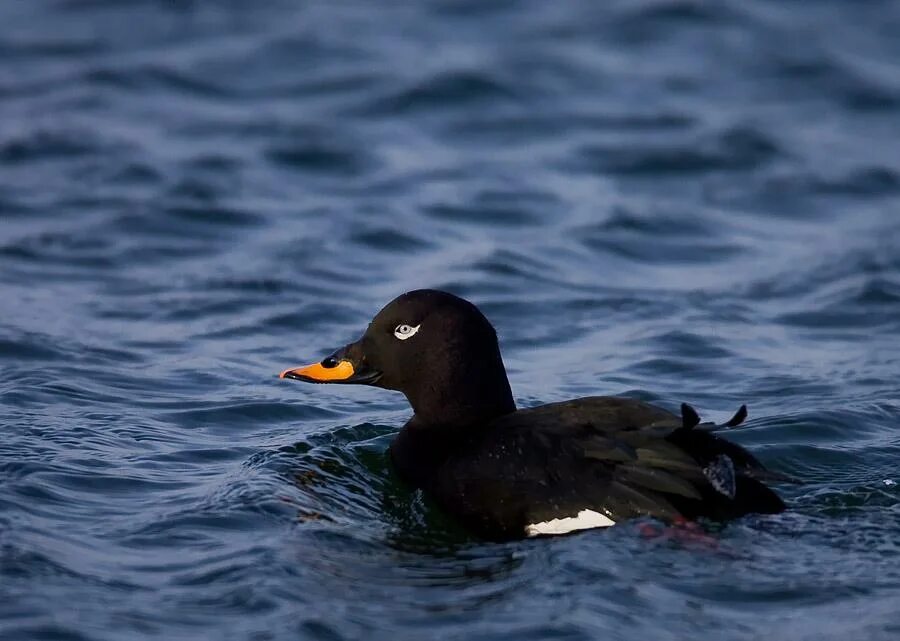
[{"x": 584, "y": 520}]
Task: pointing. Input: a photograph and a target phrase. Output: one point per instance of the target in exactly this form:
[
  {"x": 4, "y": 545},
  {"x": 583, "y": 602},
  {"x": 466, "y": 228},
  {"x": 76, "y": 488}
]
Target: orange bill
[{"x": 317, "y": 373}]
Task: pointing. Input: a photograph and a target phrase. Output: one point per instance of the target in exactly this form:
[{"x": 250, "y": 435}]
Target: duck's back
[
  {"x": 601, "y": 412},
  {"x": 591, "y": 462}
]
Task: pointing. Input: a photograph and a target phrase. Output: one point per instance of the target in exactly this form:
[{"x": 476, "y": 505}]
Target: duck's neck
[
  {"x": 421, "y": 448},
  {"x": 471, "y": 398},
  {"x": 444, "y": 418}
]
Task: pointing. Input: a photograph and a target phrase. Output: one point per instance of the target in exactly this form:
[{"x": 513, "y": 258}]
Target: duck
[{"x": 505, "y": 473}]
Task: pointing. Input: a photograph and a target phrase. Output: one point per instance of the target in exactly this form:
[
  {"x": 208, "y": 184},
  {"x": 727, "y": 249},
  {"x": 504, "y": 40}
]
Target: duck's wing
[{"x": 612, "y": 457}]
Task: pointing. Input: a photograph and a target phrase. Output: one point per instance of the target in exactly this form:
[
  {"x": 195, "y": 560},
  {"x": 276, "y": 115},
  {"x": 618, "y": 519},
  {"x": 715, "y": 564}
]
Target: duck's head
[{"x": 436, "y": 348}]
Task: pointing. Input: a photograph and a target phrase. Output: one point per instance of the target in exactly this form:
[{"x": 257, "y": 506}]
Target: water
[{"x": 685, "y": 201}]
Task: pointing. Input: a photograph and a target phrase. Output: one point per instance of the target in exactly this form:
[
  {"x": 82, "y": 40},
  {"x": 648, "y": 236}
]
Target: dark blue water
[{"x": 682, "y": 200}]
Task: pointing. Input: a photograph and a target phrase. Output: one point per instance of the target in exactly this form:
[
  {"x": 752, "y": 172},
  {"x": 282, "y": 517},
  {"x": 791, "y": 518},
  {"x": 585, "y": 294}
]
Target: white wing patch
[{"x": 584, "y": 520}]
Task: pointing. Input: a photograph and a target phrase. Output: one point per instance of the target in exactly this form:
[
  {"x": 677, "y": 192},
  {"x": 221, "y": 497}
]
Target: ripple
[
  {"x": 225, "y": 414},
  {"x": 313, "y": 157},
  {"x": 735, "y": 149},
  {"x": 49, "y": 144},
  {"x": 868, "y": 302},
  {"x": 667, "y": 199},
  {"x": 443, "y": 90},
  {"x": 833, "y": 75},
  {"x": 499, "y": 216},
  {"x": 657, "y": 238},
  {"x": 30, "y": 348},
  {"x": 384, "y": 238},
  {"x": 693, "y": 345},
  {"x": 212, "y": 216},
  {"x": 148, "y": 78}
]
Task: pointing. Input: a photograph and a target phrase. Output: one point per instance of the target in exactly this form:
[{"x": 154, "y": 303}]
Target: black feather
[
  {"x": 738, "y": 418},
  {"x": 689, "y": 416}
]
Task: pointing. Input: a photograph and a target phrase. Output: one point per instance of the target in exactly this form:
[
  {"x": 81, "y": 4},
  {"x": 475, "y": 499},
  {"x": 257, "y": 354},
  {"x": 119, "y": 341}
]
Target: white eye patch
[{"x": 404, "y": 331}]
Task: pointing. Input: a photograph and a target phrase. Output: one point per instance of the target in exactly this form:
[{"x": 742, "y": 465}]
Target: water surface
[{"x": 678, "y": 200}]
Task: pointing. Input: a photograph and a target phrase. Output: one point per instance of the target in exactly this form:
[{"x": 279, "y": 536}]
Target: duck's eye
[{"x": 404, "y": 331}]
